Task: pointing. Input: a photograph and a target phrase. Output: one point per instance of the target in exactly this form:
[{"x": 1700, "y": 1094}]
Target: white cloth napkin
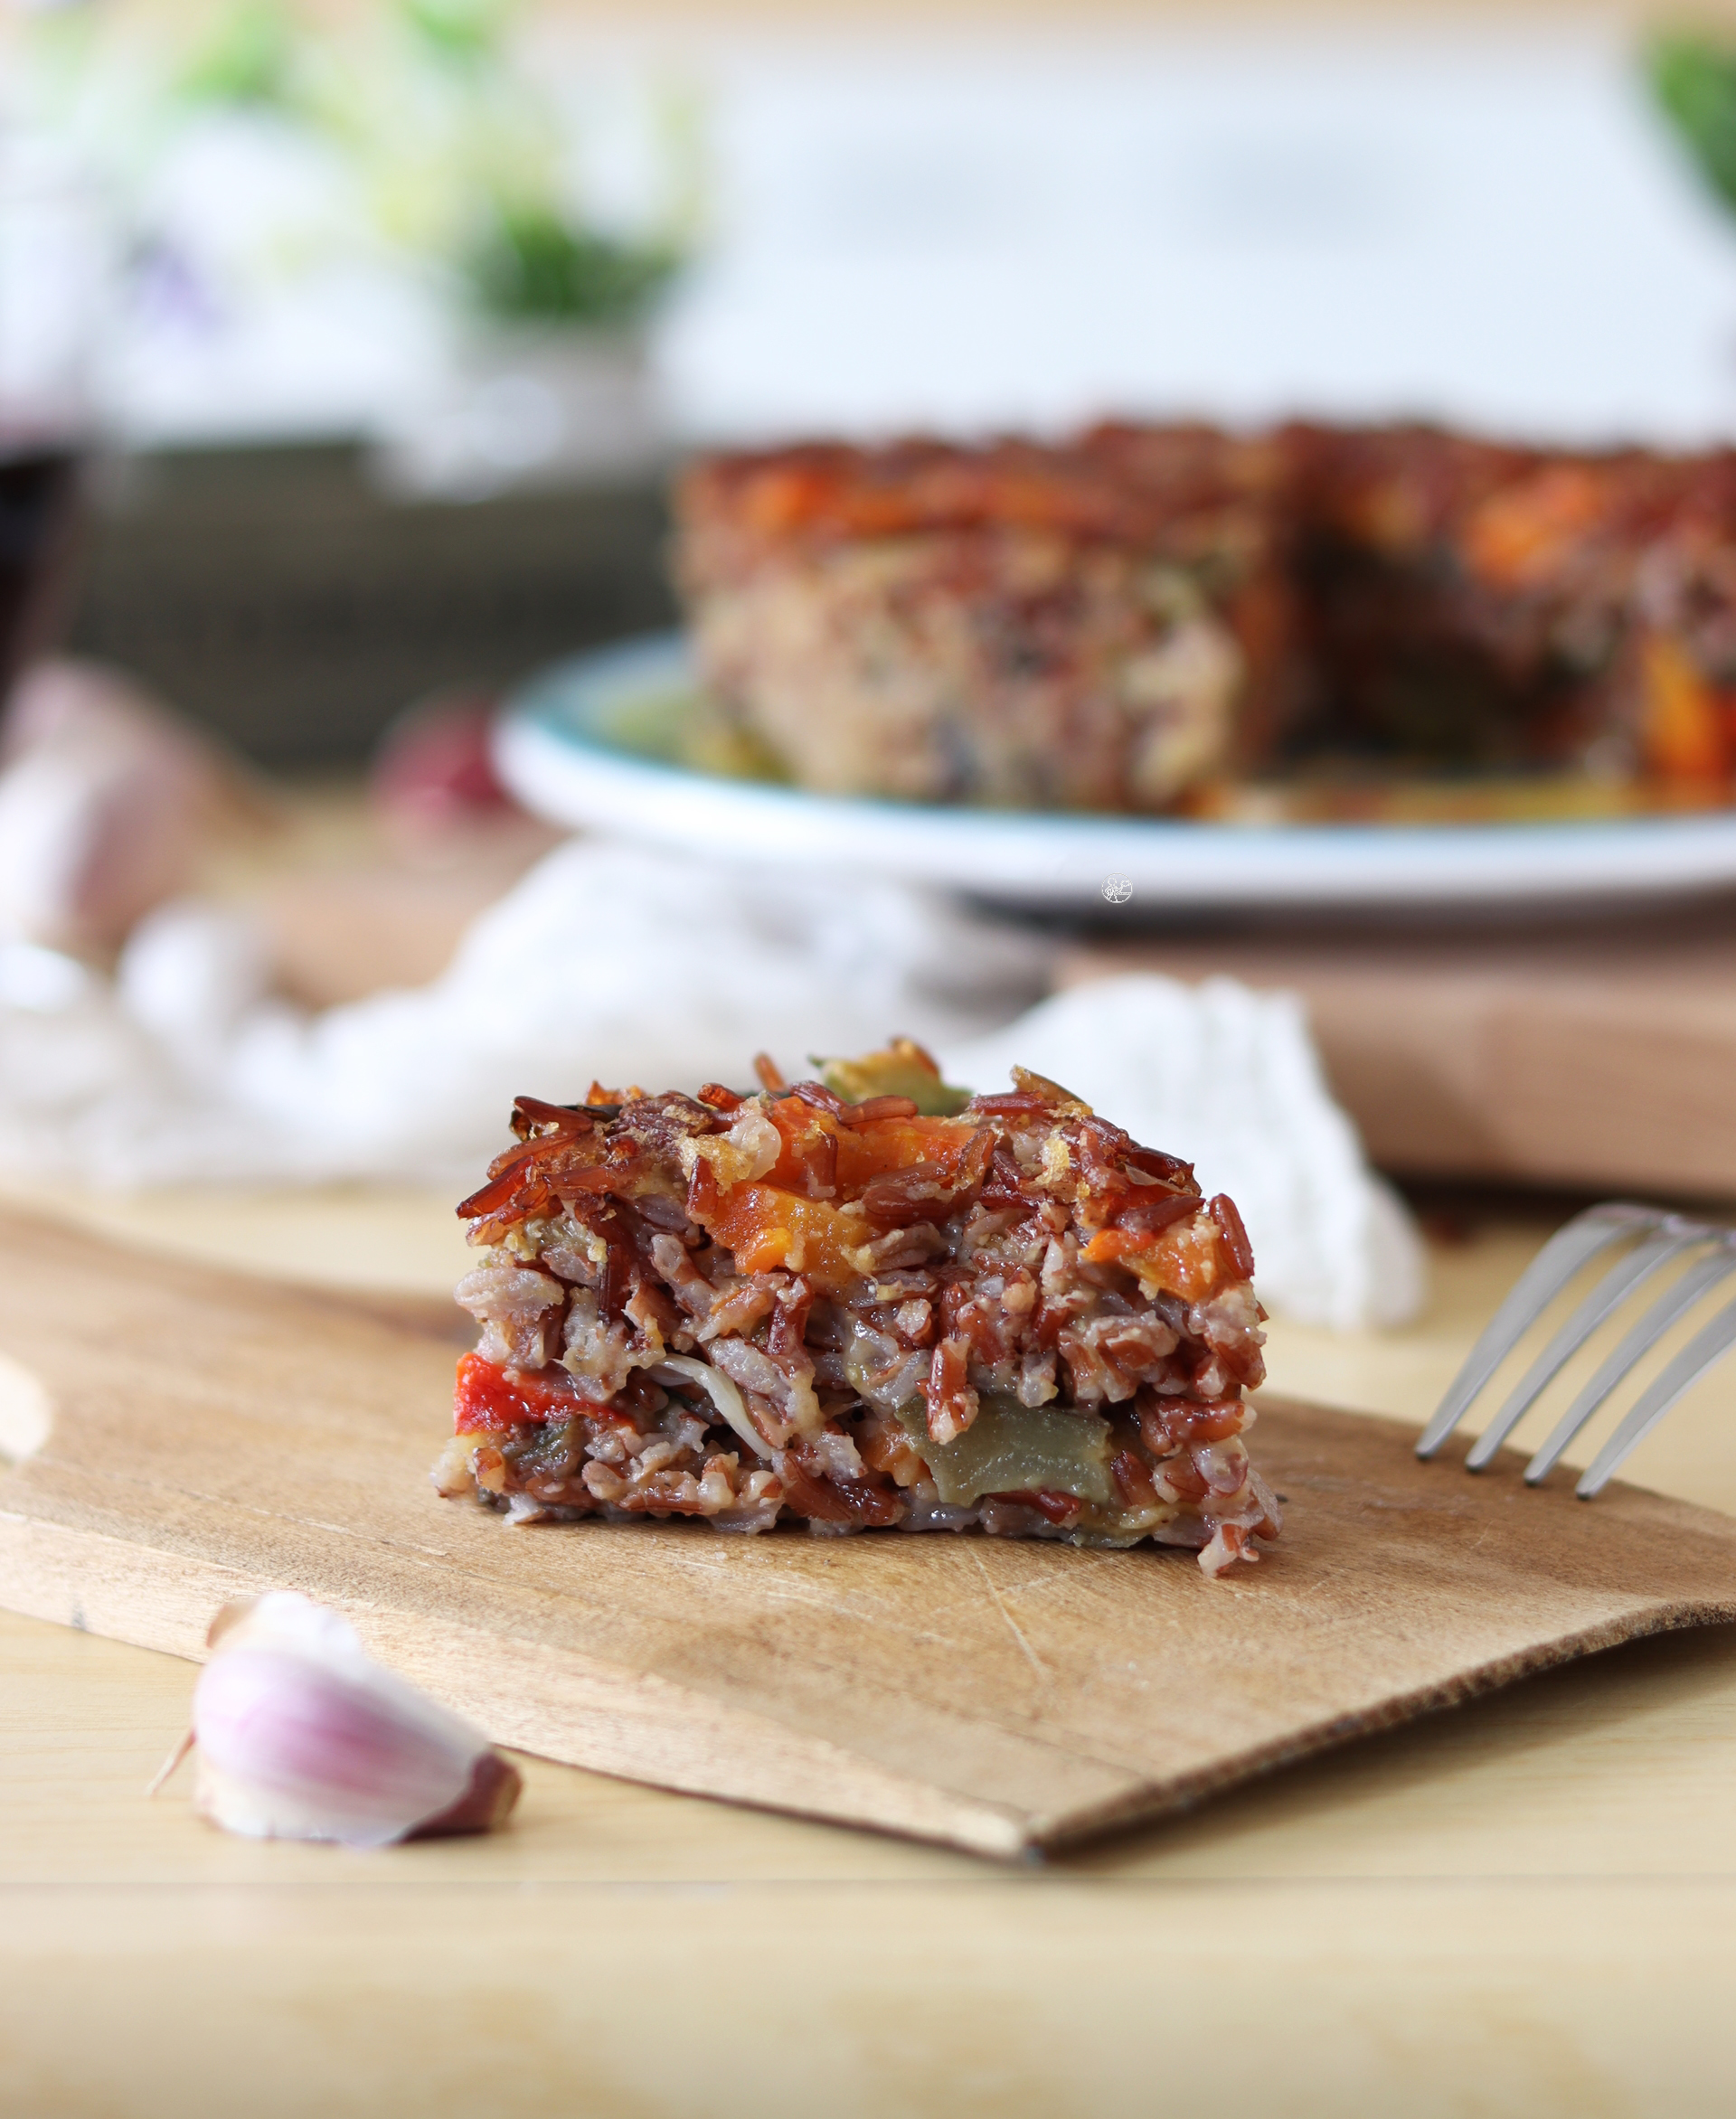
[{"x": 631, "y": 967}]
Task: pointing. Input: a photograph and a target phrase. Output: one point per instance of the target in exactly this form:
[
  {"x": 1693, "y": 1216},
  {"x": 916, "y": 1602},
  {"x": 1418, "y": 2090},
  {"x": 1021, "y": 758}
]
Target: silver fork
[{"x": 1656, "y": 1238}]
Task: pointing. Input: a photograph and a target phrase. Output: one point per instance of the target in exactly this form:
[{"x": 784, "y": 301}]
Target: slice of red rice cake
[{"x": 868, "y": 1302}]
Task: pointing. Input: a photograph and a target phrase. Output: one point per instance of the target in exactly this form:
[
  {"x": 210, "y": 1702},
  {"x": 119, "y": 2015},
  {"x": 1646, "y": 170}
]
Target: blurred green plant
[
  {"x": 533, "y": 264},
  {"x": 465, "y": 29},
  {"x": 462, "y": 152},
  {"x": 249, "y": 57},
  {"x": 1692, "y": 76}
]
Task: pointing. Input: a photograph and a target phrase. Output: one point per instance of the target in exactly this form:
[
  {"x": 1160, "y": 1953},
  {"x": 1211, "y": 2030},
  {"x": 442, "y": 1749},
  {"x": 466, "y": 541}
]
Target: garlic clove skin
[
  {"x": 486, "y": 1803},
  {"x": 302, "y": 1736}
]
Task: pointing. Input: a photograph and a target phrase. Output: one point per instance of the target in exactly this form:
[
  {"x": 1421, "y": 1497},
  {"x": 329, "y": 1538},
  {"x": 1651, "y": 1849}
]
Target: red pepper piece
[{"x": 491, "y": 1398}]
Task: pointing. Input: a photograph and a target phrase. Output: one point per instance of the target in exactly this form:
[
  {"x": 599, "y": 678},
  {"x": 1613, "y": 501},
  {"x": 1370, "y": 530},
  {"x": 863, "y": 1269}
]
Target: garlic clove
[
  {"x": 107, "y": 803},
  {"x": 301, "y": 1735}
]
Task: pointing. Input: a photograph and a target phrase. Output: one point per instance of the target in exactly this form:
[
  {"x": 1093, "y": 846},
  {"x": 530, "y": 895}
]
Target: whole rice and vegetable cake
[
  {"x": 1174, "y": 619},
  {"x": 868, "y": 1301}
]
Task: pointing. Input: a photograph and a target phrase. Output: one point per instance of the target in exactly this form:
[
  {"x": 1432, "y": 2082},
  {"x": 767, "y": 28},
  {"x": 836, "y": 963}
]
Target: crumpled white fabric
[
  {"x": 612, "y": 962},
  {"x": 1230, "y": 1079},
  {"x": 605, "y": 961}
]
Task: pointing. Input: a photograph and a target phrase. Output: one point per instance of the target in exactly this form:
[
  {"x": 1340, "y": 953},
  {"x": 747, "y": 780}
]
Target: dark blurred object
[
  {"x": 39, "y": 484},
  {"x": 1693, "y": 77},
  {"x": 53, "y": 279},
  {"x": 434, "y": 766},
  {"x": 281, "y": 597}
]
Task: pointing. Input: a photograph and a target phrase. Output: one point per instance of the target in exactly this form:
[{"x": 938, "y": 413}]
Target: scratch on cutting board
[{"x": 1013, "y": 1627}]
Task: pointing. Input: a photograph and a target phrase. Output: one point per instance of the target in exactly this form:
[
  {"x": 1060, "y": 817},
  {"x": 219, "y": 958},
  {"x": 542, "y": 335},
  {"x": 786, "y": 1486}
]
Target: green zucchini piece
[
  {"x": 902, "y": 1069},
  {"x": 1013, "y": 1448}
]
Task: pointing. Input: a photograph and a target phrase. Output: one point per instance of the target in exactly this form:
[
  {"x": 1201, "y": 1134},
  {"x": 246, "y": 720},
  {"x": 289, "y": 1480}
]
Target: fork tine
[
  {"x": 1541, "y": 1281},
  {"x": 1708, "y": 1345},
  {"x": 1675, "y": 1302},
  {"x": 1603, "y": 1301}
]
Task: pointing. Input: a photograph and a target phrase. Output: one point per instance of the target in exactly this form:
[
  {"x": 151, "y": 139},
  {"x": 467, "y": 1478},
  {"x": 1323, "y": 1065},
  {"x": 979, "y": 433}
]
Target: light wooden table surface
[{"x": 1523, "y": 1906}]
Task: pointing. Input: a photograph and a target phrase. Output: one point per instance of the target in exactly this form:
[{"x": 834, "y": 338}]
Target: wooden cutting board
[{"x": 192, "y": 1437}]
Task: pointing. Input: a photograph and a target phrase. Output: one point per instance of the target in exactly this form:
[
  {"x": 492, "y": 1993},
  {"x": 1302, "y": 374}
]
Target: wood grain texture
[
  {"x": 212, "y": 1436},
  {"x": 1594, "y": 1056}
]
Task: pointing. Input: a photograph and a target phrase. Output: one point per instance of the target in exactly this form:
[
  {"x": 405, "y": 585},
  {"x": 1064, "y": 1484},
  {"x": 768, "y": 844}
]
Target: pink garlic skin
[{"x": 302, "y": 1736}]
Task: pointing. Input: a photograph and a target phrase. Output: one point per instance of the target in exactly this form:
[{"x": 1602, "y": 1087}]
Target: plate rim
[{"x": 554, "y": 764}]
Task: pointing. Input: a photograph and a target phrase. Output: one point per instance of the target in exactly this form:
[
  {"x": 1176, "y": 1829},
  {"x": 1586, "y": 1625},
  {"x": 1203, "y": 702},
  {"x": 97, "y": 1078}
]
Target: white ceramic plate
[{"x": 590, "y": 742}]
